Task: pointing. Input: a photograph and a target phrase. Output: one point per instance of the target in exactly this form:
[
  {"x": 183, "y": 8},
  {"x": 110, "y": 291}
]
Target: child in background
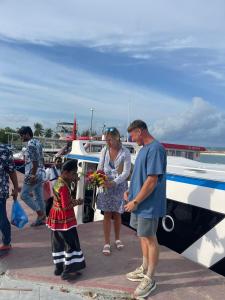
[{"x": 51, "y": 177}]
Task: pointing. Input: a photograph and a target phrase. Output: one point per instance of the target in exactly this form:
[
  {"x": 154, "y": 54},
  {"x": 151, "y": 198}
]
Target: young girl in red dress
[{"x": 66, "y": 252}]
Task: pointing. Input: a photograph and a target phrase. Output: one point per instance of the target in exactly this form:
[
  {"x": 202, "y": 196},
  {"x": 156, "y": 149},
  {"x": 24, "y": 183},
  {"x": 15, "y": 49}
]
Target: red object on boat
[
  {"x": 84, "y": 138},
  {"x": 183, "y": 147},
  {"x": 74, "y": 133}
]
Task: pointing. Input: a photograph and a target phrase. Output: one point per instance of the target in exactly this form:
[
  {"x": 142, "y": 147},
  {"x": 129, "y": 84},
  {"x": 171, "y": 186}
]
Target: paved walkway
[
  {"x": 29, "y": 265},
  {"x": 177, "y": 278},
  {"x": 23, "y": 290}
]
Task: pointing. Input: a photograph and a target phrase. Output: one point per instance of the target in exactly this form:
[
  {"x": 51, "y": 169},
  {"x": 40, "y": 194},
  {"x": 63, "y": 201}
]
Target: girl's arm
[
  {"x": 66, "y": 200},
  {"x": 65, "y": 197}
]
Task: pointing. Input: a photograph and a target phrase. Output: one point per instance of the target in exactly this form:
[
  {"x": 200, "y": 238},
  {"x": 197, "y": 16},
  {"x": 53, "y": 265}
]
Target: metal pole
[
  {"x": 92, "y": 110},
  {"x": 128, "y": 117}
]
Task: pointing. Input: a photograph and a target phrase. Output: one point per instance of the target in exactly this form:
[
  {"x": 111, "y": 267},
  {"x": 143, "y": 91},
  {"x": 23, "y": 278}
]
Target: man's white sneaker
[
  {"x": 136, "y": 275},
  {"x": 146, "y": 286}
]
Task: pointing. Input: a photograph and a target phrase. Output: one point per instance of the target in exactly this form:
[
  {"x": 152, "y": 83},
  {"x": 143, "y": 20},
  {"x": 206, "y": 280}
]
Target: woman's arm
[
  {"x": 126, "y": 169},
  {"x": 102, "y": 159}
]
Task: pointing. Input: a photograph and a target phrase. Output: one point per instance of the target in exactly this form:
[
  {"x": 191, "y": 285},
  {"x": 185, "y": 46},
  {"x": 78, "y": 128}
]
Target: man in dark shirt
[{"x": 7, "y": 169}]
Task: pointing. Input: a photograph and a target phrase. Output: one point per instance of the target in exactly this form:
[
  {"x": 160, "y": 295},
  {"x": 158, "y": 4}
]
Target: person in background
[
  {"x": 34, "y": 175},
  {"x": 51, "y": 177},
  {"x": 66, "y": 252},
  {"x": 65, "y": 150},
  {"x": 115, "y": 161},
  {"x": 147, "y": 203},
  {"x": 7, "y": 169},
  {"x": 54, "y": 172}
]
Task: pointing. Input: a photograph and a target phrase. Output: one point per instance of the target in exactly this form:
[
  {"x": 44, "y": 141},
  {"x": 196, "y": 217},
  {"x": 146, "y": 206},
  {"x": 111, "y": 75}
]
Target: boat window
[
  {"x": 190, "y": 155},
  {"x": 93, "y": 148},
  {"x": 98, "y": 148},
  {"x": 178, "y": 153},
  {"x": 170, "y": 152},
  {"x": 90, "y": 167}
]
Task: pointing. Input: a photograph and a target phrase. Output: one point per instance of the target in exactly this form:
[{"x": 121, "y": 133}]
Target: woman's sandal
[
  {"x": 119, "y": 244},
  {"x": 106, "y": 250}
]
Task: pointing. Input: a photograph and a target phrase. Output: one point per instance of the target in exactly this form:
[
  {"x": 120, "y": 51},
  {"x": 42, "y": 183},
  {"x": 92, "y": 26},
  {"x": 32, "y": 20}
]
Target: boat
[{"x": 194, "y": 225}]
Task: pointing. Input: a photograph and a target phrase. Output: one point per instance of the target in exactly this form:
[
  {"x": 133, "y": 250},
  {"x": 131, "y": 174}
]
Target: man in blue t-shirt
[{"x": 147, "y": 202}]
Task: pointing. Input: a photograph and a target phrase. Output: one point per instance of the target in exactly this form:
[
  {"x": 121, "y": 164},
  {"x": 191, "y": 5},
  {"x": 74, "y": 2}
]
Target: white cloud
[
  {"x": 215, "y": 74},
  {"x": 32, "y": 87},
  {"x": 144, "y": 30},
  {"x": 160, "y": 31},
  {"x": 35, "y": 89},
  {"x": 126, "y": 23},
  {"x": 49, "y": 91},
  {"x": 201, "y": 123}
]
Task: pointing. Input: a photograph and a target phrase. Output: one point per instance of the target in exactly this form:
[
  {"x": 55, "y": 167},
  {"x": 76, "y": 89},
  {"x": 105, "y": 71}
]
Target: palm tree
[
  {"x": 38, "y": 129},
  {"x": 48, "y": 132}
]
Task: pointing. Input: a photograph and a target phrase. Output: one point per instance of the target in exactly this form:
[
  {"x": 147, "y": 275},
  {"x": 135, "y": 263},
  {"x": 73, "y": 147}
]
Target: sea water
[{"x": 212, "y": 159}]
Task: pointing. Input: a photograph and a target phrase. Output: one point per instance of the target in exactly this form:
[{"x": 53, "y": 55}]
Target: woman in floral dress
[{"x": 115, "y": 161}]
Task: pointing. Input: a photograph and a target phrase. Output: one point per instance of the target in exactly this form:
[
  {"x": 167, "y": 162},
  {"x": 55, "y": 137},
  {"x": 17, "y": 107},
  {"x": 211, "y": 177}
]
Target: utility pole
[
  {"x": 92, "y": 111},
  {"x": 128, "y": 117}
]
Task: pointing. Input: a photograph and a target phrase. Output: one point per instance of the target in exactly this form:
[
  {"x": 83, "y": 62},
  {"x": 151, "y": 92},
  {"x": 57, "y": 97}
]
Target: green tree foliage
[
  {"x": 38, "y": 129},
  {"x": 3, "y": 137},
  {"x": 8, "y": 135},
  {"x": 48, "y": 132}
]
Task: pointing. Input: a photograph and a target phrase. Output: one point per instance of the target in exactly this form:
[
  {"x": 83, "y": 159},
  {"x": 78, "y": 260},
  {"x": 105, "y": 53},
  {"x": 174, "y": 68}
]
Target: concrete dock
[{"x": 177, "y": 278}]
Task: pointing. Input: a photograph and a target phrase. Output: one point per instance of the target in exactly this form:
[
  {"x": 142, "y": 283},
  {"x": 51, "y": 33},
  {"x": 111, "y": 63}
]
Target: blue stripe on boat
[
  {"x": 197, "y": 181},
  {"x": 172, "y": 177},
  {"x": 83, "y": 157}
]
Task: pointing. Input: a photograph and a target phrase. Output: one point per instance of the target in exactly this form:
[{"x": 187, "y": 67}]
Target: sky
[{"x": 160, "y": 61}]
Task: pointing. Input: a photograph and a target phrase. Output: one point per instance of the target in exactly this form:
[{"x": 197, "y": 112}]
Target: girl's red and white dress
[{"x": 66, "y": 251}]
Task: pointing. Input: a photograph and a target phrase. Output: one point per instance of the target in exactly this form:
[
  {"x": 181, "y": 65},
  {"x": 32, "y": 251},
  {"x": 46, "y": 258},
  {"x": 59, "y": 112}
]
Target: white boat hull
[{"x": 196, "y": 204}]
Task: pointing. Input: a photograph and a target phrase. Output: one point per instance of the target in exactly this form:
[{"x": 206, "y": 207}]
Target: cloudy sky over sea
[{"x": 161, "y": 61}]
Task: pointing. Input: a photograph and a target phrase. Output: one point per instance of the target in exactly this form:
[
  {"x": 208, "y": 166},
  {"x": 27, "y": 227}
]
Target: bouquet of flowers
[{"x": 96, "y": 179}]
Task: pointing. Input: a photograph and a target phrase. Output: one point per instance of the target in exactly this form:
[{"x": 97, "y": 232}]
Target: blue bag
[{"x": 18, "y": 217}]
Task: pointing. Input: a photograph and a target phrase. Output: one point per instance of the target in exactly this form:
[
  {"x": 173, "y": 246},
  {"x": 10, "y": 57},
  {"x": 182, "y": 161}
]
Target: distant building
[
  {"x": 64, "y": 130},
  {"x": 187, "y": 151}
]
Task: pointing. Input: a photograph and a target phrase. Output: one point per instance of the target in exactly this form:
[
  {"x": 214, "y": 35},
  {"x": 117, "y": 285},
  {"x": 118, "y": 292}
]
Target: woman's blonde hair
[{"x": 113, "y": 132}]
